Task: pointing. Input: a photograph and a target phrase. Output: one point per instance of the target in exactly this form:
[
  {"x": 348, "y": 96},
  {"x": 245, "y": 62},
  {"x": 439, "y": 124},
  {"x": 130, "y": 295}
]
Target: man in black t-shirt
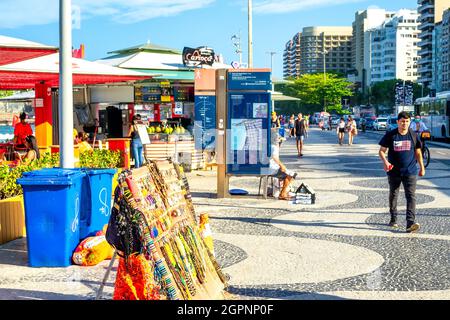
[
  {"x": 300, "y": 132},
  {"x": 401, "y": 167}
]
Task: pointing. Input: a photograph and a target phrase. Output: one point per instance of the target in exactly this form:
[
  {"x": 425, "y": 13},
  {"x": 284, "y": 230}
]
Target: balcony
[
  {"x": 426, "y": 15},
  {"x": 425, "y": 51},
  {"x": 425, "y": 42},
  {"x": 425, "y": 69},
  {"x": 426, "y": 24},
  {"x": 426, "y": 6},
  {"x": 425, "y": 60}
]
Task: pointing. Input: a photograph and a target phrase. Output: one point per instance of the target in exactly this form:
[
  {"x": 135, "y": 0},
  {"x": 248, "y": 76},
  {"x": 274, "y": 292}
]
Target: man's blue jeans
[
  {"x": 409, "y": 184},
  {"x": 137, "y": 151}
]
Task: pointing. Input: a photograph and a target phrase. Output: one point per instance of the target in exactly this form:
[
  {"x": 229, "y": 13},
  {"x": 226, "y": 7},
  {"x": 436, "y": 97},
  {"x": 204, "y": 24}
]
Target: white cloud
[
  {"x": 17, "y": 13},
  {"x": 285, "y": 6}
]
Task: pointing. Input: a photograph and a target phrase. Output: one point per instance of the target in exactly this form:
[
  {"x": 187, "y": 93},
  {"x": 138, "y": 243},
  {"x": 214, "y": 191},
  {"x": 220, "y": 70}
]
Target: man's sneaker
[
  {"x": 413, "y": 228},
  {"x": 393, "y": 224}
]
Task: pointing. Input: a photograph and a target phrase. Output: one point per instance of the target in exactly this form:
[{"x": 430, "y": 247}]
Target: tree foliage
[
  {"x": 314, "y": 91},
  {"x": 383, "y": 92}
]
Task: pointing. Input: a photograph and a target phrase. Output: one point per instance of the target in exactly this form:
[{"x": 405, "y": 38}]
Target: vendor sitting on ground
[
  {"x": 32, "y": 151},
  {"x": 278, "y": 168}
]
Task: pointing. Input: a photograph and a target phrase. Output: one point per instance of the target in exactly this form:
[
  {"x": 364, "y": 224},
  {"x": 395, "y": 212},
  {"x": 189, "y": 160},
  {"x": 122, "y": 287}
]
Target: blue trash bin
[
  {"x": 99, "y": 193},
  {"x": 52, "y": 200}
]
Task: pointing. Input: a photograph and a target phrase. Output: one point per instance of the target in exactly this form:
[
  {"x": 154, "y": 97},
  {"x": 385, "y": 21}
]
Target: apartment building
[
  {"x": 430, "y": 12},
  {"x": 361, "y": 56},
  {"x": 394, "y": 48},
  {"x": 319, "y": 49},
  {"x": 291, "y": 57},
  {"x": 444, "y": 50}
]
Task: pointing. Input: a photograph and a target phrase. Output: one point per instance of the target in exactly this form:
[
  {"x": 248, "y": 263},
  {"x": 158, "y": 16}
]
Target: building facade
[
  {"x": 319, "y": 49},
  {"x": 394, "y": 48},
  {"x": 361, "y": 55},
  {"x": 430, "y": 12},
  {"x": 291, "y": 57},
  {"x": 444, "y": 44}
]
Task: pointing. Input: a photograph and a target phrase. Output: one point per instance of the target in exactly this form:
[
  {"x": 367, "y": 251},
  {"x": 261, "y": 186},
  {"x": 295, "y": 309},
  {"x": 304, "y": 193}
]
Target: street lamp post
[
  {"x": 237, "y": 43},
  {"x": 324, "y": 52},
  {"x": 65, "y": 85},
  {"x": 250, "y": 34}
]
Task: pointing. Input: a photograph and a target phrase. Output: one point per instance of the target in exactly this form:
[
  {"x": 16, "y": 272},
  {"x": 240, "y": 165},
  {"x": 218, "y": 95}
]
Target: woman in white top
[{"x": 340, "y": 130}]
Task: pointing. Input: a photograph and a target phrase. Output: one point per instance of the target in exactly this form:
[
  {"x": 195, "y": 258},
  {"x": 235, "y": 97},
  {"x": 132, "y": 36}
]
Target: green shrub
[{"x": 88, "y": 159}]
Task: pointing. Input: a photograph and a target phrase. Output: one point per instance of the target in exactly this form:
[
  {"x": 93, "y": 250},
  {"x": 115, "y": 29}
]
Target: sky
[{"x": 107, "y": 25}]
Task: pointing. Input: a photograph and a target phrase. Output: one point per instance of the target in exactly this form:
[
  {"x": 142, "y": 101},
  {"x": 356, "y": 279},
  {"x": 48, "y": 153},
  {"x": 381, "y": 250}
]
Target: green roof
[
  {"x": 169, "y": 74},
  {"x": 147, "y": 47}
]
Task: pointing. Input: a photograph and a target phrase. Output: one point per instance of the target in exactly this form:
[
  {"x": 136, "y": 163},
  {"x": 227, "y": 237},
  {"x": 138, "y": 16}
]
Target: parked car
[
  {"x": 391, "y": 123},
  {"x": 358, "y": 122},
  {"x": 335, "y": 120},
  {"x": 379, "y": 124},
  {"x": 369, "y": 123}
]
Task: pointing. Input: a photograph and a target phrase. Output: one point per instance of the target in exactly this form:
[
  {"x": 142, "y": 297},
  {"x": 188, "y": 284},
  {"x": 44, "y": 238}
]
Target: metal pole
[
  {"x": 65, "y": 85},
  {"x": 240, "y": 48},
  {"x": 250, "y": 35},
  {"x": 324, "y": 72}
]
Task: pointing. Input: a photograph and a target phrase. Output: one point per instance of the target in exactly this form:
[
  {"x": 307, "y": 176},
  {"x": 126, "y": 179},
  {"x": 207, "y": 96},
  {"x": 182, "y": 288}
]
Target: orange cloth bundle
[
  {"x": 91, "y": 251},
  {"x": 205, "y": 232},
  {"x": 135, "y": 281}
]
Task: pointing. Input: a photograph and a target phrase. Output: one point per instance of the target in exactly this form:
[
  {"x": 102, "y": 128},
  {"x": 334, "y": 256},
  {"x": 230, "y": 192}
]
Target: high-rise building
[
  {"x": 291, "y": 57},
  {"x": 430, "y": 12},
  {"x": 361, "y": 56},
  {"x": 394, "y": 49},
  {"x": 319, "y": 49},
  {"x": 444, "y": 45}
]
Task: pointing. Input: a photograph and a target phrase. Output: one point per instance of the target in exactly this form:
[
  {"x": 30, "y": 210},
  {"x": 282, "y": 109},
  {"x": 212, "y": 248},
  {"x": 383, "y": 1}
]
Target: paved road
[
  {"x": 341, "y": 246},
  {"x": 338, "y": 248}
]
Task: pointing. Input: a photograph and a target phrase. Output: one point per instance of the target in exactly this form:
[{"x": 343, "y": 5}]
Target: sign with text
[
  {"x": 205, "y": 122},
  {"x": 248, "y": 142},
  {"x": 249, "y": 80},
  {"x": 198, "y": 56}
]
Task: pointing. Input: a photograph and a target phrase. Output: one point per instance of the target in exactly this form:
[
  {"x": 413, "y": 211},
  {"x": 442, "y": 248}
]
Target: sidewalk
[{"x": 339, "y": 248}]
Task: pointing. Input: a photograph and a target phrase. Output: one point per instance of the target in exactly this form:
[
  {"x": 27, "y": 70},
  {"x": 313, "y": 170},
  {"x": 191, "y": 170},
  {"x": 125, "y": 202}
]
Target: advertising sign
[
  {"x": 247, "y": 80},
  {"x": 205, "y": 122},
  {"x": 198, "y": 56},
  {"x": 249, "y": 132}
]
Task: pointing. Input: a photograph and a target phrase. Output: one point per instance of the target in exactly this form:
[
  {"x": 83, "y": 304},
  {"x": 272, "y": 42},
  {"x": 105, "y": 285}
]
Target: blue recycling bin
[
  {"x": 52, "y": 200},
  {"x": 97, "y": 192}
]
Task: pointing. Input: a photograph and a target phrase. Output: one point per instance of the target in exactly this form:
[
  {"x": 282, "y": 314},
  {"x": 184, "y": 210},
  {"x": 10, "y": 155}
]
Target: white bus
[{"x": 435, "y": 113}]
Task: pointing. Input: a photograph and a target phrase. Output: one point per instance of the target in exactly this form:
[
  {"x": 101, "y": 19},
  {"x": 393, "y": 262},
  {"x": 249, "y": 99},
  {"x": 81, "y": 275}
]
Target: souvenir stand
[{"x": 154, "y": 230}]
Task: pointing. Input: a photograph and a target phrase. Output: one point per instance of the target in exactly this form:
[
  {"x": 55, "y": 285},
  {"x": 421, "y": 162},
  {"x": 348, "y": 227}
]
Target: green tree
[
  {"x": 314, "y": 91},
  {"x": 383, "y": 92}
]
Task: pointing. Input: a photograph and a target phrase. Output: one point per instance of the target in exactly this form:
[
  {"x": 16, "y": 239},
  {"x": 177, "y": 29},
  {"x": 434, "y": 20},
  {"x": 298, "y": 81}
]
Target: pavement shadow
[
  {"x": 280, "y": 294},
  {"x": 14, "y": 294},
  {"x": 14, "y": 253}
]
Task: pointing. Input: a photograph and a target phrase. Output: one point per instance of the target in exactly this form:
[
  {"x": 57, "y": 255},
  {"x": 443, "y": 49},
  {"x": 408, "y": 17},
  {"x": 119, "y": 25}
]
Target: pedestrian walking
[
  {"x": 300, "y": 131},
  {"x": 340, "y": 130},
  {"x": 351, "y": 129},
  {"x": 401, "y": 166},
  {"x": 291, "y": 126},
  {"x": 274, "y": 121}
]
